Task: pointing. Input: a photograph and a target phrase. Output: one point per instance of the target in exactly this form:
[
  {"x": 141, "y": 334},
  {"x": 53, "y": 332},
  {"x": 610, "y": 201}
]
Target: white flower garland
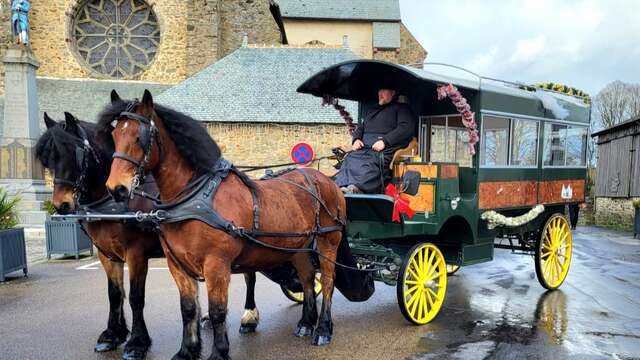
[{"x": 495, "y": 219}]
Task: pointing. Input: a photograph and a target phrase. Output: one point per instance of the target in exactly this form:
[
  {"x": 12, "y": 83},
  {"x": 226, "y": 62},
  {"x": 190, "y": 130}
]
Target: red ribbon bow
[{"x": 400, "y": 204}]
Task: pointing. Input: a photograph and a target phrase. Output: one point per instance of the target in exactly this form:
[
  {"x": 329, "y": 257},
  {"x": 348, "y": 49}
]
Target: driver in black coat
[{"x": 389, "y": 127}]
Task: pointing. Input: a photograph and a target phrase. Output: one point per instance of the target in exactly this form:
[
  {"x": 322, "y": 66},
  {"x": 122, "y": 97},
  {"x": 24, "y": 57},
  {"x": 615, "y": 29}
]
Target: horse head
[
  {"x": 67, "y": 150},
  {"x": 134, "y": 133}
]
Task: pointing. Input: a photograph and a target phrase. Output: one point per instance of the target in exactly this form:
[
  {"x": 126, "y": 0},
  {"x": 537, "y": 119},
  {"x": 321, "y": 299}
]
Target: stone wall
[
  {"x": 263, "y": 144},
  {"x": 411, "y": 52},
  {"x": 390, "y": 55},
  {"x": 5, "y": 37},
  {"x": 202, "y": 34},
  {"x": 251, "y": 17},
  {"x": 50, "y": 26},
  {"x": 614, "y": 212}
]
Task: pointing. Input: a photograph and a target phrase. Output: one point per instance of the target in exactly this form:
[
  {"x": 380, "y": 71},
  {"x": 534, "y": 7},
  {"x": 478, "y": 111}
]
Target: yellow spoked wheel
[
  {"x": 553, "y": 252},
  {"x": 452, "y": 269},
  {"x": 422, "y": 284},
  {"x": 298, "y": 297}
]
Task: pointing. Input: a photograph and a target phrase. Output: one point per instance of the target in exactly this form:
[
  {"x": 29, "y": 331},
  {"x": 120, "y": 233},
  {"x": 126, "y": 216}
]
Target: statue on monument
[{"x": 20, "y": 20}]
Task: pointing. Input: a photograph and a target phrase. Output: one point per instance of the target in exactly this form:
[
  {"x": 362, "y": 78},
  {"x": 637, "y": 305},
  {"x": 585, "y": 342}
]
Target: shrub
[{"x": 8, "y": 213}]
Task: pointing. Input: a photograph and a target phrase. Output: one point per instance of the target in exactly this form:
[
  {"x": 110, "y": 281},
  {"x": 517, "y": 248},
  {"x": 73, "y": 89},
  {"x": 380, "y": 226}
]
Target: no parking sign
[{"x": 302, "y": 154}]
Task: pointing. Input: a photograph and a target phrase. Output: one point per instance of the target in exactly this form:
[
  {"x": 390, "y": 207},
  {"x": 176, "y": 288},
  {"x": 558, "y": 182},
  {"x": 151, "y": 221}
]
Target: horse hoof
[
  {"x": 105, "y": 346},
  {"x": 321, "y": 340},
  {"x": 205, "y": 323},
  {"x": 304, "y": 331},
  {"x": 218, "y": 357},
  {"x": 248, "y": 328},
  {"x": 134, "y": 354}
]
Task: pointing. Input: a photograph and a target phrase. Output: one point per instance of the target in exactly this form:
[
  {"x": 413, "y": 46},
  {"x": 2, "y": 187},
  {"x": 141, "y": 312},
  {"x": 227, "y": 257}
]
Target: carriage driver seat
[{"x": 410, "y": 150}]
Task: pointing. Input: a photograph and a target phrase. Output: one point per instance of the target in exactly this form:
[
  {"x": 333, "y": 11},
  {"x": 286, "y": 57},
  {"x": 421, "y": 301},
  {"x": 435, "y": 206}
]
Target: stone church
[{"x": 260, "y": 48}]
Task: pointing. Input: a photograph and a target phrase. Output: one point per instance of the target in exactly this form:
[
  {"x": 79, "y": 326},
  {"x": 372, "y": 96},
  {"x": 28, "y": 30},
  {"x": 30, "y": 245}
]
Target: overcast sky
[{"x": 580, "y": 43}]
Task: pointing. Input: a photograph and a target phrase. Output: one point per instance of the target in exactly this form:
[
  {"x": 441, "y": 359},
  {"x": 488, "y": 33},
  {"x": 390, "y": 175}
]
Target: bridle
[
  {"x": 79, "y": 186},
  {"x": 147, "y": 135}
]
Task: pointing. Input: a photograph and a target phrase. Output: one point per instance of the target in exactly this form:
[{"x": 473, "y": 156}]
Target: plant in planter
[
  {"x": 636, "y": 222},
  {"x": 13, "y": 249},
  {"x": 47, "y": 206}
]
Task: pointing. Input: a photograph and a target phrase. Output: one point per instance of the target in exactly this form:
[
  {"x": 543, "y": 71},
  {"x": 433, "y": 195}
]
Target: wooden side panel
[
  {"x": 426, "y": 171},
  {"x": 448, "y": 171},
  {"x": 635, "y": 175},
  {"x": 424, "y": 199},
  {"x": 614, "y": 168},
  {"x": 506, "y": 194},
  {"x": 602, "y": 172},
  {"x": 561, "y": 191}
]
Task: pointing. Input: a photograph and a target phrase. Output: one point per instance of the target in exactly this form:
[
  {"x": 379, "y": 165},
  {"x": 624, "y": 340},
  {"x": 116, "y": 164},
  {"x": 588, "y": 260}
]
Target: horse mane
[
  {"x": 57, "y": 145},
  {"x": 193, "y": 142}
]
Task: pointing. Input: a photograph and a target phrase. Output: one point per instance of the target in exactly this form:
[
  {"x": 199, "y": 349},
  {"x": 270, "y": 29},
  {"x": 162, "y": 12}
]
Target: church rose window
[{"x": 116, "y": 38}]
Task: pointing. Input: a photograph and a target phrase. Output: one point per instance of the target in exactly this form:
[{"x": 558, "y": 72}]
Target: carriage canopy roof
[{"x": 360, "y": 80}]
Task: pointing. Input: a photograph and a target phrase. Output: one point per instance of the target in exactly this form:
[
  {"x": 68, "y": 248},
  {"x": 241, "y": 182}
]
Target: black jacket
[{"x": 395, "y": 120}]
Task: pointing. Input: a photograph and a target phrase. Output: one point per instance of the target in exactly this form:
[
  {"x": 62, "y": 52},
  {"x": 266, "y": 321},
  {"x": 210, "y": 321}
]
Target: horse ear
[
  {"x": 49, "y": 121},
  {"x": 71, "y": 122},
  {"x": 115, "y": 97},
  {"x": 147, "y": 99}
]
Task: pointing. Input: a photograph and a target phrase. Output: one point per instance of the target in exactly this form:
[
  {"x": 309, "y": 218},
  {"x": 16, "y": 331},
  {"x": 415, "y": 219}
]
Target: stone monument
[{"x": 20, "y": 173}]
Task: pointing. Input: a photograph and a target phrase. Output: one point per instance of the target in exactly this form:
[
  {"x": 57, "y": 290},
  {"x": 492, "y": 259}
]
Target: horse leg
[
  {"x": 116, "y": 332},
  {"x": 250, "y": 317},
  {"x": 217, "y": 276},
  {"x": 190, "y": 308},
  {"x": 306, "y": 274},
  {"x": 327, "y": 246},
  {"x": 139, "y": 342}
]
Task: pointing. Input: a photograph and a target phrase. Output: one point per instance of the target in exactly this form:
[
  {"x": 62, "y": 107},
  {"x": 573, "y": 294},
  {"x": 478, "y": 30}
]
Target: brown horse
[
  {"x": 118, "y": 243},
  {"x": 176, "y": 149}
]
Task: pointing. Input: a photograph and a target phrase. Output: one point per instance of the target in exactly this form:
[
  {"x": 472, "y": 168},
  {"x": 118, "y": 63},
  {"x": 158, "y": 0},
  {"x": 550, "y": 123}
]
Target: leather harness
[{"x": 197, "y": 204}]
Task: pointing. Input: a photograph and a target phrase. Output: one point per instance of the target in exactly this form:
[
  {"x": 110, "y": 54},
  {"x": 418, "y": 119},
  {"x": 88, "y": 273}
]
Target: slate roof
[
  {"x": 258, "y": 84},
  {"x": 84, "y": 98},
  {"x": 386, "y": 10},
  {"x": 386, "y": 35}
]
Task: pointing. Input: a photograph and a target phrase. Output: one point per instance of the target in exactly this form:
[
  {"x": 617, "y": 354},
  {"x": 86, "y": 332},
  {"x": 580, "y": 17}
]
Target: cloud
[
  {"x": 583, "y": 43},
  {"x": 528, "y": 50}
]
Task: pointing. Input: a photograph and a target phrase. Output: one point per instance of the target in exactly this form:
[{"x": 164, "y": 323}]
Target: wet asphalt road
[{"x": 492, "y": 310}]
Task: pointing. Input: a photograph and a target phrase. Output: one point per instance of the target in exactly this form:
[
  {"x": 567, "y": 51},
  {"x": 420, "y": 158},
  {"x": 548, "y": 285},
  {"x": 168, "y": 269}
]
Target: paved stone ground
[
  {"x": 36, "y": 244},
  {"x": 494, "y": 310}
]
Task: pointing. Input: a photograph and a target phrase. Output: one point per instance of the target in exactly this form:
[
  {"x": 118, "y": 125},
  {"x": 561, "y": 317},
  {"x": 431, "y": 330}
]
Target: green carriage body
[
  {"x": 509, "y": 174},
  {"x": 458, "y": 231}
]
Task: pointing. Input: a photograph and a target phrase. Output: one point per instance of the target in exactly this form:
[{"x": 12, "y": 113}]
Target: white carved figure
[{"x": 567, "y": 192}]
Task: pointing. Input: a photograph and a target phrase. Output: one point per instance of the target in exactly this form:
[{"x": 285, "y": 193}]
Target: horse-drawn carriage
[
  {"x": 498, "y": 161},
  {"x": 512, "y": 186}
]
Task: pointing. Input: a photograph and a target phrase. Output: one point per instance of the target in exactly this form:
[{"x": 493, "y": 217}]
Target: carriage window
[
  {"x": 458, "y": 139},
  {"x": 576, "y": 146},
  {"x": 438, "y": 138},
  {"x": 524, "y": 142},
  {"x": 495, "y": 135},
  {"x": 449, "y": 140},
  {"x": 555, "y": 136}
]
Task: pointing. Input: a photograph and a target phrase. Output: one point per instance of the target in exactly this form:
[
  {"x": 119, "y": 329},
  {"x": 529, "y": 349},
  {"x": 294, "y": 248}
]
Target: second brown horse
[{"x": 176, "y": 149}]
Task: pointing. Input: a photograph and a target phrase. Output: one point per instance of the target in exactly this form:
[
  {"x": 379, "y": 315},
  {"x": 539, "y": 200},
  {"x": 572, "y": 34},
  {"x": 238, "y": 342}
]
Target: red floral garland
[
  {"x": 468, "y": 116},
  {"x": 330, "y": 100}
]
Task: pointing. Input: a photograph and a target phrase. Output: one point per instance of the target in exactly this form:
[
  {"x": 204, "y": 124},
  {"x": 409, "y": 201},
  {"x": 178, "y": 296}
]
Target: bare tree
[{"x": 617, "y": 102}]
